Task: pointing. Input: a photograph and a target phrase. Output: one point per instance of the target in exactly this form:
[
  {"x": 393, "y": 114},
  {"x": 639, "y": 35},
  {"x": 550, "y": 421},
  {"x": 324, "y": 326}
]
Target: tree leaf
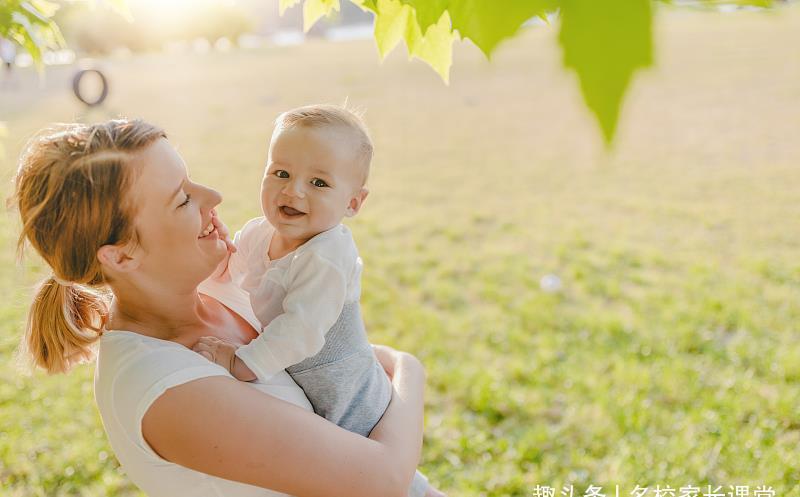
[
  {"x": 368, "y": 5},
  {"x": 395, "y": 21},
  {"x": 428, "y": 11},
  {"x": 716, "y": 3},
  {"x": 33, "y": 14},
  {"x": 391, "y": 24},
  {"x": 435, "y": 47},
  {"x": 487, "y": 25},
  {"x": 605, "y": 42},
  {"x": 485, "y": 22},
  {"x": 314, "y": 10}
]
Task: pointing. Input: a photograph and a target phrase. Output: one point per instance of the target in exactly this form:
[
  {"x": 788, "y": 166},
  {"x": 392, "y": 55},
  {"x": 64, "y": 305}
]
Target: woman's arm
[{"x": 224, "y": 428}]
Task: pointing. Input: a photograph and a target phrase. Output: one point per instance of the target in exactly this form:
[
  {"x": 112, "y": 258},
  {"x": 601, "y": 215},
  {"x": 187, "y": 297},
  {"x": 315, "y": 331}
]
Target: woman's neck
[{"x": 175, "y": 316}]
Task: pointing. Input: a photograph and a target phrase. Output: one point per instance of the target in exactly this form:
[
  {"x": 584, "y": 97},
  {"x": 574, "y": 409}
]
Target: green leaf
[
  {"x": 29, "y": 38},
  {"x": 396, "y": 21},
  {"x": 716, "y": 3},
  {"x": 32, "y": 13},
  {"x": 605, "y": 42},
  {"x": 314, "y": 10},
  {"x": 368, "y": 5},
  {"x": 391, "y": 24},
  {"x": 428, "y": 11},
  {"x": 435, "y": 47},
  {"x": 487, "y": 23}
]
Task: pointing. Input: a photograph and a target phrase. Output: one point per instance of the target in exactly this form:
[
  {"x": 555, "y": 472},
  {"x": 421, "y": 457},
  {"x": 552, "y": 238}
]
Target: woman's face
[{"x": 172, "y": 216}]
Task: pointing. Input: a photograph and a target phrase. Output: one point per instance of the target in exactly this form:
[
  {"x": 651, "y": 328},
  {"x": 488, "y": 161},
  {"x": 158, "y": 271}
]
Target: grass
[{"x": 670, "y": 357}]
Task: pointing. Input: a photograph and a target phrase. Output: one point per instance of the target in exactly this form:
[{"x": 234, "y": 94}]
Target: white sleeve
[
  {"x": 245, "y": 241},
  {"x": 316, "y": 288},
  {"x": 144, "y": 374},
  {"x": 237, "y": 260}
]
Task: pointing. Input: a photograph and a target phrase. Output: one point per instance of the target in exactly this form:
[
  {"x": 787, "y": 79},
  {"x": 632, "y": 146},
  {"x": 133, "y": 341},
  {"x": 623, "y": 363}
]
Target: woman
[{"x": 111, "y": 209}]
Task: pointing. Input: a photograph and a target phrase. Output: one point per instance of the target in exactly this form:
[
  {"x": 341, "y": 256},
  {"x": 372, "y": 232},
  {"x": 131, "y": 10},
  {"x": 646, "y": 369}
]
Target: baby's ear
[{"x": 356, "y": 201}]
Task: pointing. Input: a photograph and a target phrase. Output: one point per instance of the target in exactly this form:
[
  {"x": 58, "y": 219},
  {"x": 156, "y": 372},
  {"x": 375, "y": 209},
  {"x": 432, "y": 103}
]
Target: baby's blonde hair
[{"x": 319, "y": 116}]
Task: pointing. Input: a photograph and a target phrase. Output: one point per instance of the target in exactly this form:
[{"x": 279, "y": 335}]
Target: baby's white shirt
[{"x": 298, "y": 297}]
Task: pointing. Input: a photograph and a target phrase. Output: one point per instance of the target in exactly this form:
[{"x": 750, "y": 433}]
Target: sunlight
[{"x": 174, "y": 11}]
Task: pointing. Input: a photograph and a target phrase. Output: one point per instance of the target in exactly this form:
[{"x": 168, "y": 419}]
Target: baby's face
[{"x": 311, "y": 181}]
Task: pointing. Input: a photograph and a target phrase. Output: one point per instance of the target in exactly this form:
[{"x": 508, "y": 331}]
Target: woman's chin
[
  {"x": 214, "y": 250},
  {"x": 220, "y": 249}
]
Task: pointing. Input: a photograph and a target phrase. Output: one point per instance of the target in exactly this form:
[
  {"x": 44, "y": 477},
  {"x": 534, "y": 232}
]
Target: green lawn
[{"x": 670, "y": 357}]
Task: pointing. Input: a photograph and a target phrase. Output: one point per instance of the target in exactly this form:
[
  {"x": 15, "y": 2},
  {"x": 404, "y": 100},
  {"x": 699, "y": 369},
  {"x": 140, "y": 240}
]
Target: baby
[{"x": 301, "y": 269}]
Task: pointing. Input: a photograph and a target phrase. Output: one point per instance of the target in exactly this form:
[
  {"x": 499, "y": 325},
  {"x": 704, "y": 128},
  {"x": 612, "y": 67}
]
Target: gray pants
[{"x": 346, "y": 384}]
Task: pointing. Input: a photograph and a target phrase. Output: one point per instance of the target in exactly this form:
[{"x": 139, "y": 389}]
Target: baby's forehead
[
  {"x": 346, "y": 152},
  {"x": 343, "y": 136}
]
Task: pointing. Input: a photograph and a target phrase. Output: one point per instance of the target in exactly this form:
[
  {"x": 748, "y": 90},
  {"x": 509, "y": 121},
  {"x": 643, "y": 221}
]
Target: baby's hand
[
  {"x": 224, "y": 353},
  {"x": 222, "y": 273},
  {"x": 217, "y": 351},
  {"x": 222, "y": 229}
]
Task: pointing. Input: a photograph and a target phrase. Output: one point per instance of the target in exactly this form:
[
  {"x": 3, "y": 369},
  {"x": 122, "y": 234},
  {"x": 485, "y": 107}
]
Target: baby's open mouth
[{"x": 290, "y": 211}]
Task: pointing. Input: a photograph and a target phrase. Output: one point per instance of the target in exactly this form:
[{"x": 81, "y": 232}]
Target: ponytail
[
  {"x": 63, "y": 324},
  {"x": 71, "y": 192}
]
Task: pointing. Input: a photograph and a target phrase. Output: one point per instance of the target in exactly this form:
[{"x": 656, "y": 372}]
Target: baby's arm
[{"x": 316, "y": 288}]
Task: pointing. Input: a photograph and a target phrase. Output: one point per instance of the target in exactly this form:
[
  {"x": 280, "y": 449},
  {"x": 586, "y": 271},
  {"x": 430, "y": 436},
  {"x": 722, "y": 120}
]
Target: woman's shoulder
[
  {"x": 135, "y": 366},
  {"x": 132, "y": 371}
]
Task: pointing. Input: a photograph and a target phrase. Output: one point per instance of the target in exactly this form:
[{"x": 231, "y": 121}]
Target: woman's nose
[{"x": 210, "y": 197}]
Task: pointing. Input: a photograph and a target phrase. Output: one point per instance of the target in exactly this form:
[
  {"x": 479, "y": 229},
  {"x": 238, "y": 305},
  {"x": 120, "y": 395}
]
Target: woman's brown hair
[{"x": 71, "y": 192}]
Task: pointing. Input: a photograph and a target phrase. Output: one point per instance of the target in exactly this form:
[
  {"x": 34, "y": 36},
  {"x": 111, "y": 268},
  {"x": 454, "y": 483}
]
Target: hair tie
[{"x": 61, "y": 282}]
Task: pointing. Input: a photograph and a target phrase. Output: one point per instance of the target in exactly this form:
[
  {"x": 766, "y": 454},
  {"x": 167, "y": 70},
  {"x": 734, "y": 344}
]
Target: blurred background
[{"x": 586, "y": 316}]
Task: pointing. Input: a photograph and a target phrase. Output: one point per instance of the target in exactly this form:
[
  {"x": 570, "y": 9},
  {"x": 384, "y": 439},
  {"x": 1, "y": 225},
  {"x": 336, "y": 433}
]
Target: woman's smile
[{"x": 209, "y": 230}]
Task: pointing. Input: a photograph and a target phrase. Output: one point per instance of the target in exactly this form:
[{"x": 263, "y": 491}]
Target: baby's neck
[{"x": 280, "y": 245}]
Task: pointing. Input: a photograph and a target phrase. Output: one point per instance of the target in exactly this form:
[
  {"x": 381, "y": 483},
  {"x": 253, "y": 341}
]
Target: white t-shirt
[
  {"x": 298, "y": 297},
  {"x": 133, "y": 370}
]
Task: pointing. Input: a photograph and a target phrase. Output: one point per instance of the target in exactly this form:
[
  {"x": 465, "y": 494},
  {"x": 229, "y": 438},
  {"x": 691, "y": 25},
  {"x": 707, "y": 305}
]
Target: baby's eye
[
  {"x": 281, "y": 173},
  {"x": 319, "y": 183},
  {"x": 186, "y": 202}
]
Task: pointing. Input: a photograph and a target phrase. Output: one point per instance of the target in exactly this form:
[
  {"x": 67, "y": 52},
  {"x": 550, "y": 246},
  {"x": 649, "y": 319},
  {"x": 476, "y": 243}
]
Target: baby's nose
[{"x": 294, "y": 189}]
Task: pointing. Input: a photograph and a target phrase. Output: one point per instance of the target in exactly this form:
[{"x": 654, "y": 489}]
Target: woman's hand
[{"x": 390, "y": 359}]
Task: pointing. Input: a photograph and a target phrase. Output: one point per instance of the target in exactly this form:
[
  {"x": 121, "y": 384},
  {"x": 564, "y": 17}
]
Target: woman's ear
[
  {"x": 356, "y": 202},
  {"x": 118, "y": 258}
]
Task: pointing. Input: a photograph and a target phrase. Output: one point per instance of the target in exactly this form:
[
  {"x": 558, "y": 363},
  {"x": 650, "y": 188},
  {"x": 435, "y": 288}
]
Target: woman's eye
[
  {"x": 319, "y": 183},
  {"x": 186, "y": 202},
  {"x": 281, "y": 173}
]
